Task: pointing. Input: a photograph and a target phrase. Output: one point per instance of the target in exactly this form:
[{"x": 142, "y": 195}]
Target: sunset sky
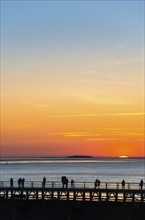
[{"x": 72, "y": 78}]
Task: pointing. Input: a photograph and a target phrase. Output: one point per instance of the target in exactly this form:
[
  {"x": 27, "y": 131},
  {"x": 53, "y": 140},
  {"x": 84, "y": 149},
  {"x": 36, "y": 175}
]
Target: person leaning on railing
[
  {"x": 97, "y": 183},
  {"x": 11, "y": 182},
  {"x": 141, "y": 184},
  {"x": 123, "y": 184},
  {"x": 44, "y": 182},
  {"x": 72, "y": 183},
  {"x": 23, "y": 182}
]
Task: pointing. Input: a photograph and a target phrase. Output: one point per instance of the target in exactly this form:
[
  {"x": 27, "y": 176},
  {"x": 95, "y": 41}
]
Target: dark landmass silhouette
[{"x": 79, "y": 156}]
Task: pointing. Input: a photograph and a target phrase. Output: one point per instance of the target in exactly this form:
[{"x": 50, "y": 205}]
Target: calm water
[{"x": 110, "y": 170}]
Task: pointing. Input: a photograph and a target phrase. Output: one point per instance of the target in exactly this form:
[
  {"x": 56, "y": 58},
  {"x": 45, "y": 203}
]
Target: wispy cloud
[
  {"x": 76, "y": 134},
  {"x": 35, "y": 104},
  {"x": 95, "y": 115},
  {"x": 123, "y": 129},
  {"x": 116, "y": 48},
  {"x": 101, "y": 139},
  {"x": 110, "y": 63},
  {"x": 129, "y": 134},
  {"x": 108, "y": 81},
  {"x": 107, "y": 101}
]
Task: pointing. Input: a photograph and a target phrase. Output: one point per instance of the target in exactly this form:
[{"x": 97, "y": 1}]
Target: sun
[{"x": 123, "y": 156}]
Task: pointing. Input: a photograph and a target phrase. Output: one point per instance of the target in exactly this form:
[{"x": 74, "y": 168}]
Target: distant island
[{"x": 79, "y": 156}]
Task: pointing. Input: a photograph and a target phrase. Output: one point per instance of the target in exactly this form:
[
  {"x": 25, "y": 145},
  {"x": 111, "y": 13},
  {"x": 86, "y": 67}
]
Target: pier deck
[{"x": 106, "y": 192}]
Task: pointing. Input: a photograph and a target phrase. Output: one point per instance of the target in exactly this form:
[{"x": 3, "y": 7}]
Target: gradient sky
[{"x": 72, "y": 76}]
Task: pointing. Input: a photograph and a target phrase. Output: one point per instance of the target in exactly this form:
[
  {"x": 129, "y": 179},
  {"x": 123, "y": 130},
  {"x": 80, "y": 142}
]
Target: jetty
[{"x": 81, "y": 191}]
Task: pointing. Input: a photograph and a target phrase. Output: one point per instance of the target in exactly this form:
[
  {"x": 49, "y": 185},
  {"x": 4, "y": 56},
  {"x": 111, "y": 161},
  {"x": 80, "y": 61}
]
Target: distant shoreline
[
  {"x": 79, "y": 156},
  {"x": 71, "y": 157}
]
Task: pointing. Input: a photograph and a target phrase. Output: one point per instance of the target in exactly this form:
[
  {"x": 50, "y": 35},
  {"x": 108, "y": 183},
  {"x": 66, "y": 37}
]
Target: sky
[{"x": 72, "y": 78}]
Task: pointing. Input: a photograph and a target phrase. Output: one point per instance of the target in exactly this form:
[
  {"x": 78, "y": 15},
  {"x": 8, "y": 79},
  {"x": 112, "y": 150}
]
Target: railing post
[
  {"x": 52, "y": 184},
  {"x": 90, "y": 196},
  {"x": 36, "y": 195},
  {"x": 100, "y": 197},
  {"x": 133, "y": 197},
  {"x": 142, "y": 196},
  {"x": 52, "y": 195},
  {"x": 6, "y": 194},
  {"x": 124, "y": 197},
  {"x": 58, "y": 195},
  {"x": 84, "y": 196},
  {"x": 67, "y": 195},
  {"x": 116, "y": 197},
  {"x": 84, "y": 185},
  {"x": 42, "y": 194},
  {"x": 117, "y": 186},
  {"x": 21, "y": 193},
  {"x": 106, "y": 185},
  {"x": 107, "y": 196},
  {"x": 74, "y": 194},
  {"x": 27, "y": 196},
  {"x": 11, "y": 193}
]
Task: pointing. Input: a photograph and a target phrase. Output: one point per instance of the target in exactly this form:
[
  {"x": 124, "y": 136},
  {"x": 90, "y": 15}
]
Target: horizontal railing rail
[{"x": 82, "y": 185}]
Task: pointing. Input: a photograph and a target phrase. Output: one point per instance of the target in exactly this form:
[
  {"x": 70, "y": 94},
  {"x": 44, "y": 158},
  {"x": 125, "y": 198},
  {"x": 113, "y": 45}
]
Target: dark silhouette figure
[
  {"x": 11, "y": 182},
  {"x": 97, "y": 183},
  {"x": 141, "y": 184},
  {"x": 19, "y": 182},
  {"x": 22, "y": 182},
  {"x": 72, "y": 183},
  {"x": 64, "y": 181},
  {"x": 44, "y": 182},
  {"x": 123, "y": 184}
]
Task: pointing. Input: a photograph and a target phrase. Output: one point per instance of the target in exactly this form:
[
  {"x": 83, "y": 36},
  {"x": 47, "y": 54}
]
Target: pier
[{"x": 81, "y": 191}]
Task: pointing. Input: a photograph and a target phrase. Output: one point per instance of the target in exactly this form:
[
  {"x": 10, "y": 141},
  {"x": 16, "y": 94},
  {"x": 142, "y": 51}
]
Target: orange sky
[
  {"x": 72, "y": 85},
  {"x": 28, "y": 133}
]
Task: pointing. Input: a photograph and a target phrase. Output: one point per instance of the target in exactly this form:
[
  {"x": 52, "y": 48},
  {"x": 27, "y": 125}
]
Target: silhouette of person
[
  {"x": 19, "y": 182},
  {"x": 123, "y": 184},
  {"x": 44, "y": 182},
  {"x": 97, "y": 183},
  {"x": 141, "y": 184},
  {"x": 66, "y": 182},
  {"x": 72, "y": 183},
  {"x": 22, "y": 182},
  {"x": 63, "y": 180},
  {"x": 11, "y": 182}
]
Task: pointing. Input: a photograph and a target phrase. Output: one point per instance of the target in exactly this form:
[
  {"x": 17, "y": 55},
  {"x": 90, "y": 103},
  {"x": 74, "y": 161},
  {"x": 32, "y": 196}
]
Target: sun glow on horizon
[{"x": 123, "y": 156}]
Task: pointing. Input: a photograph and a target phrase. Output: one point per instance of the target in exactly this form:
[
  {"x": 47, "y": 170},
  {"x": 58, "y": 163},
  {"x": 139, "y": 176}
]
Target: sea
[{"x": 78, "y": 169}]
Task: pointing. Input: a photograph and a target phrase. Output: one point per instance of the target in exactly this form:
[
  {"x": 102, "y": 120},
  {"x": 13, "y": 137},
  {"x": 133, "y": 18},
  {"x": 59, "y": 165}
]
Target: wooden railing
[{"x": 80, "y": 185}]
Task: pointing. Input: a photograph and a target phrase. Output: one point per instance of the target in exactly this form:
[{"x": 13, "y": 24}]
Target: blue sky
[
  {"x": 71, "y": 33},
  {"x": 83, "y": 24},
  {"x": 76, "y": 34}
]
